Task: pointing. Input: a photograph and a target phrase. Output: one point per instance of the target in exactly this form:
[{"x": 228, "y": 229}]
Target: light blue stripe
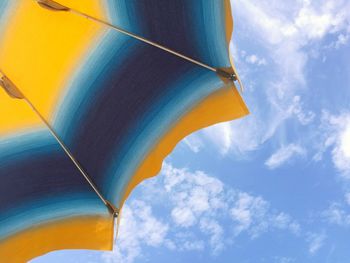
[
  {"x": 118, "y": 12},
  {"x": 210, "y": 31},
  {"x": 6, "y": 7},
  {"x": 22, "y": 143},
  {"x": 213, "y": 14},
  {"x": 42, "y": 212}
]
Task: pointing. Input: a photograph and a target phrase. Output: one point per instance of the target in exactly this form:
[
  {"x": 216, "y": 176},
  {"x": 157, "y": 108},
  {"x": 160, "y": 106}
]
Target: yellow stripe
[
  {"x": 224, "y": 105},
  {"x": 78, "y": 233},
  {"x": 40, "y": 50},
  {"x": 15, "y": 115}
]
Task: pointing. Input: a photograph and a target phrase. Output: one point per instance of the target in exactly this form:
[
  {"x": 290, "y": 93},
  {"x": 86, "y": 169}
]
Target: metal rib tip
[
  {"x": 9, "y": 87},
  {"x": 112, "y": 209},
  {"x": 52, "y": 5},
  {"x": 225, "y": 74}
]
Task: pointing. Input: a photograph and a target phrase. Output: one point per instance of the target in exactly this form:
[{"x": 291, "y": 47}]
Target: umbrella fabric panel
[
  {"x": 114, "y": 103},
  {"x": 130, "y": 95},
  {"x": 119, "y": 105},
  {"x": 42, "y": 192}
]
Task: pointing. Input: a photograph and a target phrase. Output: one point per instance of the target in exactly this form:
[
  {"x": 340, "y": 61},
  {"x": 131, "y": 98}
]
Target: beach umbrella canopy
[{"x": 94, "y": 95}]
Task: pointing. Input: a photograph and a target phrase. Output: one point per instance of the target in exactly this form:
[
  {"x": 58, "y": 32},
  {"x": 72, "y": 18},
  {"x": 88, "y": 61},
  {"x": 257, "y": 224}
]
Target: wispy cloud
[
  {"x": 248, "y": 212},
  {"x": 335, "y": 135},
  {"x": 316, "y": 242},
  {"x": 341, "y": 152},
  {"x": 285, "y": 33},
  {"x": 347, "y": 198},
  {"x": 253, "y": 59},
  {"x": 216, "y": 232},
  {"x": 194, "y": 143},
  {"x": 221, "y": 135},
  {"x": 255, "y": 216},
  {"x": 139, "y": 227},
  {"x": 336, "y": 214},
  {"x": 202, "y": 196},
  {"x": 201, "y": 213},
  {"x": 284, "y": 154}
]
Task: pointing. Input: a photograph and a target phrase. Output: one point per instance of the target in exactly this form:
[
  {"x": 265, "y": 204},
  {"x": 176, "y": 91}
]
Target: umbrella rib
[
  {"x": 111, "y": 207},
  {"x": 9, "y": 87},
  {"x": 54, "y": 6}
]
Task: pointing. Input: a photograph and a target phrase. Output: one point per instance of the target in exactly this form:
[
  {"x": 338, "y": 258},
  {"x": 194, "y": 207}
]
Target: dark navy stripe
[
  {"x": 181, "y": 25},
  {"x": 169, "y": 23},
  {"x": 125, "y": 95},
  {"x": 39, "y": 173}
]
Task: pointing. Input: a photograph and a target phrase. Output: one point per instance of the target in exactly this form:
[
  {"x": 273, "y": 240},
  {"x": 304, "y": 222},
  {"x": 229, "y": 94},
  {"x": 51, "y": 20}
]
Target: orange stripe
[{"x": 92, "y": 232}]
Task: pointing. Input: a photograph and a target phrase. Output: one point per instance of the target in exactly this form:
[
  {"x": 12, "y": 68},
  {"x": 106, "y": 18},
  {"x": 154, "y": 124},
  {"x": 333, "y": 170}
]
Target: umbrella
[{"x": 96, "y": 95}]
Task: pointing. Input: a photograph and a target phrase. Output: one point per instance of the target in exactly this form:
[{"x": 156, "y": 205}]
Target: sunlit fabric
[{"x": 118, "y": 104}]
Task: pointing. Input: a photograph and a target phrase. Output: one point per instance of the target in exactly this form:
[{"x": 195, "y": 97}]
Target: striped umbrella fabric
[{"x": 95, "y": 94}]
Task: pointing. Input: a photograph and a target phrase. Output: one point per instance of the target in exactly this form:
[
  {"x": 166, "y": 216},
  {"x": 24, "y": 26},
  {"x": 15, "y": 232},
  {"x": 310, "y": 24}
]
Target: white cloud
[
  {"x": 255, "y": 60},
  {"x": 296, "y": 22},
  {"x": 284, "y": 154},
  {"x": 336, "y": 135},
  {"x": 240, "y": 136},
  {"x": 202, "y": 214},
  {"x": 187, "y": 241},
  {"x": 248, "y": 212},
  {"x": 316, "y": 242},
  {"x": 193, "y": 245},
  {"x": 138, "y": 227},
  {"x": 341, "y": 152},
  {"x": 183, "y": 216},
  {"x": 197, "y": 196},
  {"x": 221, "y": 135},
  {"x": 254, "y": 215},
  {"x": 284, "y": 221},
  {"x": 194, "y": 143},
  {"x": 216, "y": 232},
  {"x": 347, "y": 198},
  {"x": 315, "y": 24},
  {"x": 342, "y": 40},
  {"x": 297, "y": 110},
  {"x": 337, "y": 215}
]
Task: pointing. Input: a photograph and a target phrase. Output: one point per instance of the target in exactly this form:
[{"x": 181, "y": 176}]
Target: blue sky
[{"x": 273, "y": 187}]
